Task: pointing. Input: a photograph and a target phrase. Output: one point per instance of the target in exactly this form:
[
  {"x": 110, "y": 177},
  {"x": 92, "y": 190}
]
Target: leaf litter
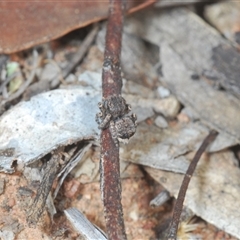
[{"x": 54, "y": 122}]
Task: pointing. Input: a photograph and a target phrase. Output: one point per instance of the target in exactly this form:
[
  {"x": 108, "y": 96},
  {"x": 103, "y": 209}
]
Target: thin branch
[
  {"x": 72, "y": 160},
  {"x": 81, "y": 52},
  {"x": 24, "y": 86},
  {"x": 160, "y": 199},
  {"x": 182, "y": 192},
  {"x": 37, "y": 207},
  {"x": 6, "y": 82},
  {"x": 77, "y": 57},
  {"x": 111, "y": 85}
]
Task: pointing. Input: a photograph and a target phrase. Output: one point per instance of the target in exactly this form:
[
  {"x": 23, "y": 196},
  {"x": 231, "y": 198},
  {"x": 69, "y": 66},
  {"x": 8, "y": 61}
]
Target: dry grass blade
[
  {"x": 24, "y": 86},
  {"x": 182, "y": 192}
]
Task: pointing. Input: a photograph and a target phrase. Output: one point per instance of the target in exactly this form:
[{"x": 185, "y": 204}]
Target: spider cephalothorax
[
  {"x": 114, "y": 112},
  {"x": 111, "y": 108}
]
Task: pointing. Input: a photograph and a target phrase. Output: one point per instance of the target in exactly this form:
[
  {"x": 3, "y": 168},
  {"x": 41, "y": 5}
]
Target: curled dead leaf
[{"x": 28, "y": 23}]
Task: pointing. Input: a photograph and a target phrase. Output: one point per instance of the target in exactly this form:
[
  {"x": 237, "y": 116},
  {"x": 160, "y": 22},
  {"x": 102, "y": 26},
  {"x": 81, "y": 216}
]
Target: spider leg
[
  {"x": 98, "y": 118},
  {"x": 134, "y": 118},
  {"x": 105, "y": 122},
  {"x": 100, "y": 106},
  {"x": 124, "y": 141},
  {"x": 129, "y": 108}
]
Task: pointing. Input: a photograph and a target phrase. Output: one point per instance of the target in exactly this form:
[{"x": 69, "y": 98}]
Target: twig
[
  {"x": 26, "y": 83},
  {"x": 78, "y": 56},
  {"x": 50, "y": 172},
  {"x": 7, "y": 81},
  {"x": 60, "y": 164},
  {"x": 83, "y": 225},
  {"x": 160, "y": 199},
  {"x": 182, "y": 192},
  {"x": 74, "y": 159},
  {"x": 111, "y": 85}
]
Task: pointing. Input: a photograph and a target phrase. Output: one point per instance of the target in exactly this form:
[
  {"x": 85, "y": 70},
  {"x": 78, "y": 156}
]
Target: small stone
[
  {"x": 143, "y": 113},
  {"x": 133, "y": 215},
  {"x": 149, "y": 121},
  {"x": 189, "y": 112},
  {"x": 182, "y": 117},
  {"x": 161, "y": 122},
  {"x": 11, "y": 202},
  {"x": 163, "y": 92},
  {"x": 71, "y": 78},
  {"x": 169, "y": 107}
]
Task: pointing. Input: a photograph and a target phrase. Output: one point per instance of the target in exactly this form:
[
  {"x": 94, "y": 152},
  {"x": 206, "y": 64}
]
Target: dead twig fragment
[
  {"x": 111, "y": 85},
  {"x": 24, "y": 86},
  {"x": 83, "y": 225},
  {"x": 78, "y": 56},
  {"x": 182, "y": 192},
  {"x": 160, "y": 199},
  {"x": 37, "y": 207},
  {"x": 75, "y": 156},
  {"x": 58, "y": 167}
]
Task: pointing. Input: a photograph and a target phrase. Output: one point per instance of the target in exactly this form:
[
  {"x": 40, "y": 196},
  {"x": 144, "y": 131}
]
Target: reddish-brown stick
[
  {"x": 172, "y": 235},
  {"x": 109, "y": 160}
]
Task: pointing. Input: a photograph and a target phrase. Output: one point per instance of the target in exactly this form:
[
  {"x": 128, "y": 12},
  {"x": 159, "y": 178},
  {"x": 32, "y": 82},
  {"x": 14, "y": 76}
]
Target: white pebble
[
  {"x": 161, "y": 122},
  {"x": 163, "y": 92}
]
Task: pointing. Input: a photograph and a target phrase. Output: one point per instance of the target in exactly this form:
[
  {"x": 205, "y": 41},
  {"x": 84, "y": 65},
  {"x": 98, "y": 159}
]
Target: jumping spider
[
  {"x": 113, "y": 114},
  {"x": 111, "y": 108},
  {"x": 123, "y": 128}
]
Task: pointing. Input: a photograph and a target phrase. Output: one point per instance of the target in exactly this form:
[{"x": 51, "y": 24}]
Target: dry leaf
[
  {"x": 34, "y": 128},
  {"x": 190, "y": 48},
  {"x": 213, "y": 193},
  {"x": 28, "y": 23}
]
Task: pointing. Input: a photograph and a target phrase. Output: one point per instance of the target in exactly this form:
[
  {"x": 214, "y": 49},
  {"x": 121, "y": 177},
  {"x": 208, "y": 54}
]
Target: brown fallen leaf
[{"x": 28, "y": 23}]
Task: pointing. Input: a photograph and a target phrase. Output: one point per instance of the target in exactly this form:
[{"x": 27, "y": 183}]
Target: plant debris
[{"x": 181, "y": 81}]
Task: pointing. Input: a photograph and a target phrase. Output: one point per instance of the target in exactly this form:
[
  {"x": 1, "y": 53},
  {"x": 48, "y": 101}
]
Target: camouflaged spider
[
  {"x": 113, "y": 113},
  {"x": 123, "y": 128},
  {"x": 111, "y": 108}
]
